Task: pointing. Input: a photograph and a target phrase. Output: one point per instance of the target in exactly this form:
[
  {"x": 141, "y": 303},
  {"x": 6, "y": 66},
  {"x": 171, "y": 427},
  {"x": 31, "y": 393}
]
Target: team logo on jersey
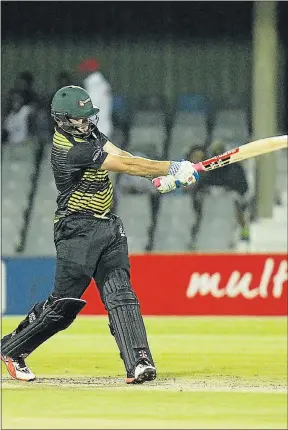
[
  {"x": 83, "y": 102},
  {"x": 122, "y": 231}
]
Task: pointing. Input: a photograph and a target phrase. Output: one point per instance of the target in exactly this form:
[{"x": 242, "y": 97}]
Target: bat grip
[{"x": 199, "y": 167}]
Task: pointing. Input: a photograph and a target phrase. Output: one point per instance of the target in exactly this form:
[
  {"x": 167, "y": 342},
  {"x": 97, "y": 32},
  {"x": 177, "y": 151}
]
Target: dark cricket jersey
[{"x": 82, "y": 186}]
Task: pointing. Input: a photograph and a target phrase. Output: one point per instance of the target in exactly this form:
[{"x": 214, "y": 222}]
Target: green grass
[{"x": 214, "y": 373}]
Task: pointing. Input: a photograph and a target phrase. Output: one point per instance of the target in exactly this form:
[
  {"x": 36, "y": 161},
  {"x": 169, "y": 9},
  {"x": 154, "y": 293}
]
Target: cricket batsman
[{"x": 90, "y": 240}]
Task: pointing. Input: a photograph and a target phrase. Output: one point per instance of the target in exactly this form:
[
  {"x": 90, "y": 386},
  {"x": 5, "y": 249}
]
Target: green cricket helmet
[{"x": 74, "y": 103}]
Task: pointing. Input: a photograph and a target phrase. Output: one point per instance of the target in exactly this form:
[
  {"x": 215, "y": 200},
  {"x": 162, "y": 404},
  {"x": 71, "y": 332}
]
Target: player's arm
[
  {"x": 137, "y": 166},
  {"x": 121, "y": 162},
  {"x": 113, "y": 149},
  {"x": 88, "y": 155},
  {"x": 84, "y": 155},
  {"x": 110, "y": 148}
]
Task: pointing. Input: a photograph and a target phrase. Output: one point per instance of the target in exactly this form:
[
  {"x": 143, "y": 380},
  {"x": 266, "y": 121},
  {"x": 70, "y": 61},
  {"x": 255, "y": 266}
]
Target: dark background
[
  {"x": 129, "y": 19},
  {"x": 133, "y": 19}
]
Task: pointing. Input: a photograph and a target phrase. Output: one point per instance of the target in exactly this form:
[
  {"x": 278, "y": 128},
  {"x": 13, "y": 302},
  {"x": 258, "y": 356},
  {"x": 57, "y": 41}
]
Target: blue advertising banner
[{"x": 24, "y": 282}]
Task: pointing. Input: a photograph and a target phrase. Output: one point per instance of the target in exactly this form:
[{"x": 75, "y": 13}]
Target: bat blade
[{"x": 243, "y": 152}]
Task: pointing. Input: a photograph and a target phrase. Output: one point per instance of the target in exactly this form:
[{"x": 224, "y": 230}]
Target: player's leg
[
  {"x": 44, "y": 320},
  {"x": 242, "y": 218},
  {"x": 125, "y": 320},
  {"x": 56, "y": 313}
]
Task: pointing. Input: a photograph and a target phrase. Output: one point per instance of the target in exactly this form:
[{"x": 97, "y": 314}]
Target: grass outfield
[{"x": 213, "y": 373}]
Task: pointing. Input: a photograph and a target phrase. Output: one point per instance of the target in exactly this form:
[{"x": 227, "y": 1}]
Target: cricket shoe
[
  {"x": 144, "y": 371},
  {"x": 17, "y": 368}
]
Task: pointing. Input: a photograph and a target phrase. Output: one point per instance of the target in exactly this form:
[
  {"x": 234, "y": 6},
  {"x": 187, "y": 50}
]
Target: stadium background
[{"x": 210, "y": 52}]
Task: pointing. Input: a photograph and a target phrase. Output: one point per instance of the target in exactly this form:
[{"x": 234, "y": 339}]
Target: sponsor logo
[
  {"x": 241, "y": 284},
  {"x": 219, "y": 160},
  {"x": 96, "y": 154},
  {"x": 83, "y": 102},
  {"x": 217, "y": 163}
]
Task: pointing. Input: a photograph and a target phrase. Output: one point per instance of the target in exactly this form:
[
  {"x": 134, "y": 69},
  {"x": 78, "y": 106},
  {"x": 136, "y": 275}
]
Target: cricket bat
[{"x": 243, "y": 152}]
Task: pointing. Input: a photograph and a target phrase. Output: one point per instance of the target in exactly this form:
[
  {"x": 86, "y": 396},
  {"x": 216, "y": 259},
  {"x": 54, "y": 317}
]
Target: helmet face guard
[{"x": 78, "y": 130}]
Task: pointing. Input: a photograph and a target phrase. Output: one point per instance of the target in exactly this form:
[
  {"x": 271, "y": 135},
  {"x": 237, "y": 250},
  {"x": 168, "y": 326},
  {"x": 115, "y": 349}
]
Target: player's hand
[
  {"x": 165, "y": 184},
  {"x": 184, "y": 175},
  {"x": 184, "y": 172}
]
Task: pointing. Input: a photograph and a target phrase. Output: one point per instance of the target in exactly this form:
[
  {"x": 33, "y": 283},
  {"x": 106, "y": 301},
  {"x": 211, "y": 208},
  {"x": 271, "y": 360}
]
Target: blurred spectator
[
  {"x": 196, "y": 154},
  {"x": 24, "y": 83},
  {"x": 41, "y": 124},
  {"x": 231, "y": 177},
  {"x": 17, "y": 126},
  {"x": 99, "y": 90}
]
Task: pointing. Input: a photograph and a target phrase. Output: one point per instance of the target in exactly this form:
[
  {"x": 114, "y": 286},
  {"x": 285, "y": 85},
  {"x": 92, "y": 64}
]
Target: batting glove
[
  {"x": 184, "y": 172},
  {"x": 180, "y": 173},
  {"x": 165, "y": 184}
]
